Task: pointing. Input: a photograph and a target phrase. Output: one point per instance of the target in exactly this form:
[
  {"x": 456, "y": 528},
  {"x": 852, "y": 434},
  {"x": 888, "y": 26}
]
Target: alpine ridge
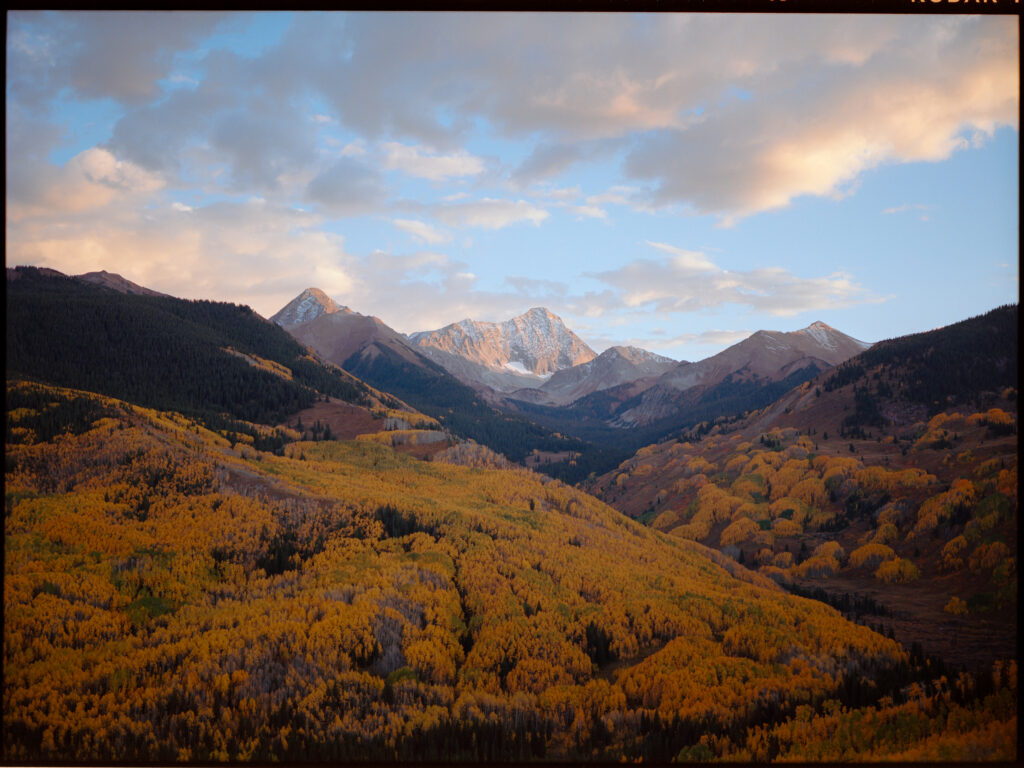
[
  {"x": 613, "y": 367},
  {"x": 536, "y": 343},
  {"x": 762, "y": 359},
  {"x": 306, "y": 307}
]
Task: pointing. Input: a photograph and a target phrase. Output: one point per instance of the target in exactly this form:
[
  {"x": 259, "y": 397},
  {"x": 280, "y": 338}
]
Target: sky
[{"x": 673, "y": 181}]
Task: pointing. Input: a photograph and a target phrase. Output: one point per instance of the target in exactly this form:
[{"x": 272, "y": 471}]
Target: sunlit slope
[
  {"x": 167, "y": 597},
  {"x": 894, "y": 475}
]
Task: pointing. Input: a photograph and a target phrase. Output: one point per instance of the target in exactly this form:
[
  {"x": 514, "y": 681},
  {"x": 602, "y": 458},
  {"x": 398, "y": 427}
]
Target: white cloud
[
  {"x": 564, "y": 194},
  {"x": 724, "y": 114},
  {"x": 252, "y": 252},
  {"x": 92, "y": 179},
  {"x": 906, "y": 207},
  {"x": 422, "y": 231},
  {"x": 712, "y": 338},
  {"x": 489, "y": 213},
  {"x": 813, "y": 130},
  {"x": 354, "y": 149},
  {"x": 587, "y": 211},
  {"x": 424, "y": 164},
  {"x": 688, "y": 281},
  {"x": 686, "y": 260},
  {"x": 619, "y": 195}
]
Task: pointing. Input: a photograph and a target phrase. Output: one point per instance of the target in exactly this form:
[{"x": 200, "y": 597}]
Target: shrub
[
  {"x": 897, "y": 571},
  {"x": 871, "y": 555},
  {"x": 956, "y": 606}
]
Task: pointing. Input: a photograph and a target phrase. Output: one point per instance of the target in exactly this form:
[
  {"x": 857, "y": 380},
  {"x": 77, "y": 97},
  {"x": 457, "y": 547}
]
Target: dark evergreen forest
[{"x": 161, "y": 352}]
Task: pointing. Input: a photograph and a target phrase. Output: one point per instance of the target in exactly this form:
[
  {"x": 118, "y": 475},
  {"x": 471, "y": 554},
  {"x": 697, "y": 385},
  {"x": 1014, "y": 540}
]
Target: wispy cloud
[
  {"x": 490, "y": 213},
  {"x": 425, "y": 164},
  {"x": 422, "y": 231},
  {"x": 907, "y": 207},
  {"x": 689, "y": 281},
  {"x": 712, "y": 338}
]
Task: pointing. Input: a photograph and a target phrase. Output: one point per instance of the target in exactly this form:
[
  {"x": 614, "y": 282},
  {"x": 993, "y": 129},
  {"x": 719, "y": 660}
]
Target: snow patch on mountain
[
  {"x": 516, "y": 367},
  {"x": 828, "y": 337},
  {"x": 537, "y": 341},
  {"x": 306, "y": 307}
]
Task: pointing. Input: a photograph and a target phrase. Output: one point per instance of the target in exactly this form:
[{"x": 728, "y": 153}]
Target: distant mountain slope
[
  {"x": 536, "y": 342},
  {"x": 742, "y": 374},
  {"x": 903, "y": 380},
  {"x": 612, "y": 368},
  {"x": 484, "y": 379},
  {"x": 369, "y": 349},
  {"x": 117, "y": 283},
  {"x": 341, "y": 335},
  {"x": 944, "y": 367},
  {"x": 198, "y": 357}
]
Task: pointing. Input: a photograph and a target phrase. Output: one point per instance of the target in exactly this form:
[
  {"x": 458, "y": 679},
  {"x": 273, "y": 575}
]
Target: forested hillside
[
  {"x": 217, "y": 361},
  {"x": 949, "y": 367},
  {"x": 169, "y": 596},
  {"x": 891, "y": 480},
  {"x": 462, "y": 410}
]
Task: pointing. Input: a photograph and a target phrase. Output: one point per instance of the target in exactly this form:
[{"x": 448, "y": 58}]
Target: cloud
[
  {"x": 587, "y": 211},
  {"x": 422, "y": 231},
  {"x": 252, "y": 252},
  {"x": 689, "y": 281},
  {"x": 717, "y": 338},
  {"x": 618, "y": 195},
  {"x": 90, "y": 180},
  {"x": 727, "y": 115},
  {"x": 818, "y": 128},
  {"x": 434, "y": 289},
  {"x": 685, "y": 260},
  {"x": 347, "y": 188},
  {"x": 262, "y": 146},
  {"x": 355, "y": 148},
  {"x": 549, "y": 159},
  {"x": 907, "y": 207},
  {"x": 119, "y": 55},
  {"x": 172, "y": 136},
  {"x": 489, "y": 213},
  {"x": 416, "y": 161},
  {"x": 537, "y": 289}
]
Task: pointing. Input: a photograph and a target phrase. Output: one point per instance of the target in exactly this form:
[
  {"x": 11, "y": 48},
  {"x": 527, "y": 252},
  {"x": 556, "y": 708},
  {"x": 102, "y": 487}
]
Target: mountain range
[
  {"x": 760, "y": 361},
  {"x": 535, "y": 366},
  {"x": 525, "y": 385}
]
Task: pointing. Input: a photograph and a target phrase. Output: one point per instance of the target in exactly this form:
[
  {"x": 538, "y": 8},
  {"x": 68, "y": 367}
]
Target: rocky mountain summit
[{"x": 530, "y": 347}]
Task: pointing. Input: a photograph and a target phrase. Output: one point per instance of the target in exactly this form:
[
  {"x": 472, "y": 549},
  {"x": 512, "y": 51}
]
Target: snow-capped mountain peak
[
  {"x": 305, "y": 307},
  {"x": 828, "y": 337},
  {"x": 537, "y": 342}
]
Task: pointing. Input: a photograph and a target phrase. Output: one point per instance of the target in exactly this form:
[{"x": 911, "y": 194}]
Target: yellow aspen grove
[{"x": 172, "y": 595}]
